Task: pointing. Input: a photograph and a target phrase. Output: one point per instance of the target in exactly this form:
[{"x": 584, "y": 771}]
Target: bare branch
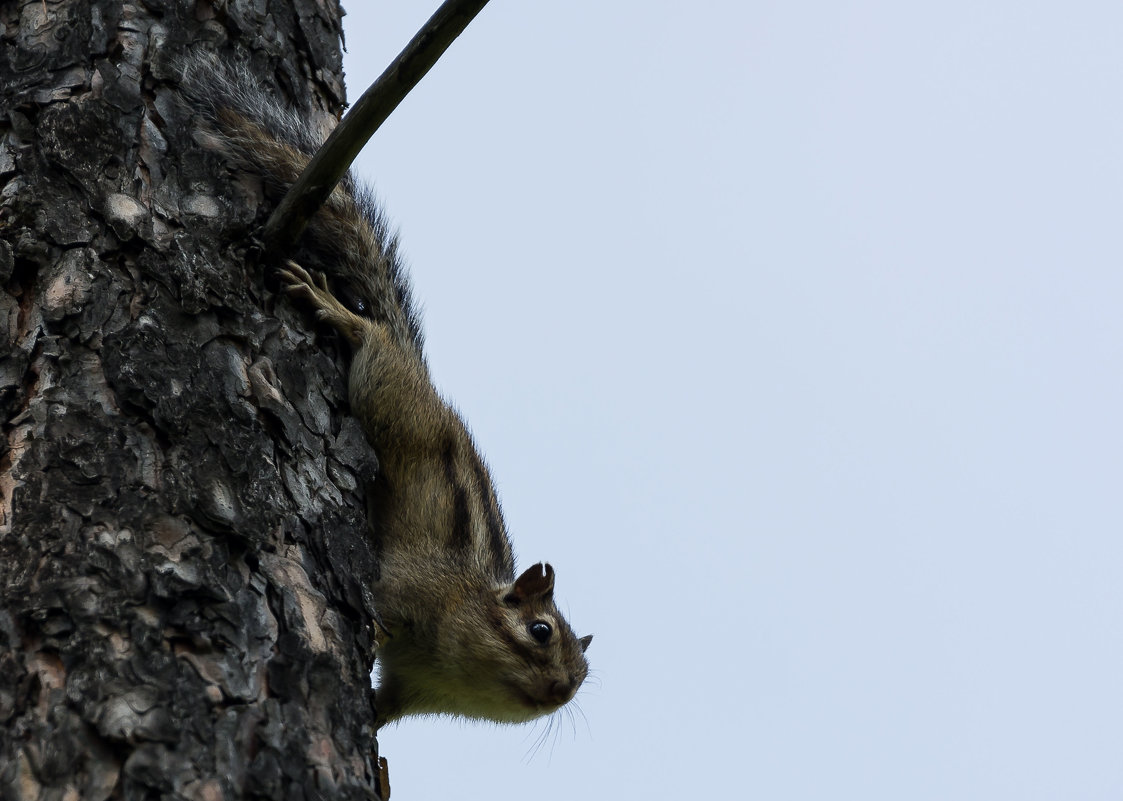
[{"x": 332, "y": 160}]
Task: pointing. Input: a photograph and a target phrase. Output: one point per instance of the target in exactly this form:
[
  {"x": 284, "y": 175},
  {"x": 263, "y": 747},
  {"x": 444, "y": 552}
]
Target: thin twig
[{"x": 335, "y": 156}]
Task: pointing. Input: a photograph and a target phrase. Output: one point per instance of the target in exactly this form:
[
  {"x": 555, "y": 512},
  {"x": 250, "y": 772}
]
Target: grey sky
[{"x": 793, "y": 334}]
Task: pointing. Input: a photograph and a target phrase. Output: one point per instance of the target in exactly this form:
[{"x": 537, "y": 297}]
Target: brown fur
[
  {"x": 463, "y": 635},
  {"x": 458, "y": 622}
]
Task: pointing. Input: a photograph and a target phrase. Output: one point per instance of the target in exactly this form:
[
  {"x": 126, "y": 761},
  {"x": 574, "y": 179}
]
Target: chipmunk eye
[{"x": 540, "y": 631}]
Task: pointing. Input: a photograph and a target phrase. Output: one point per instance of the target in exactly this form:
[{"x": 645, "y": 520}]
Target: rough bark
[{"x": 183, "y": 559}]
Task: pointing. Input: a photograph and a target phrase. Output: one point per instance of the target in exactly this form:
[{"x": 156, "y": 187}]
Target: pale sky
[{"x": 793, "y": 335}]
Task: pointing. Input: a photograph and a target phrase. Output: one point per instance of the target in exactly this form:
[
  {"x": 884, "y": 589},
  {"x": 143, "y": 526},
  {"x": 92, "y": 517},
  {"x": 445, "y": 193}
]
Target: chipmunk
[{"x": 462, "y": 634}]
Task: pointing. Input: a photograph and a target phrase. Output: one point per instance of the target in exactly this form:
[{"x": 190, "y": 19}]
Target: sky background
[{"x": 793, "y": 335}]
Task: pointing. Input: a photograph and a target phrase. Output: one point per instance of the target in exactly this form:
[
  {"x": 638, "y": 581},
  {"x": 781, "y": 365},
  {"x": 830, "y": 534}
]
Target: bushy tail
[{"x": 348, "y": 238}]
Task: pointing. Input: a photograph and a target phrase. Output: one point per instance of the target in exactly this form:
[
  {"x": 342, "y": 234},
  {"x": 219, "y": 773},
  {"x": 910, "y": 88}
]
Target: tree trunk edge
[{"x": 183, "y": 549}]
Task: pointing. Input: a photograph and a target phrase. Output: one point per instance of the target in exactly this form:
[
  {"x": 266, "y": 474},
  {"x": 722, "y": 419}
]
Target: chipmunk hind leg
[{"x": 299, "y": 283}]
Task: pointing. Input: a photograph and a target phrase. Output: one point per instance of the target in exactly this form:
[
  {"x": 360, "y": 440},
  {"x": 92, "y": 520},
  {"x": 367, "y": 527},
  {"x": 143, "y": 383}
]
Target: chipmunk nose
[{"x": 561, "y": 690}]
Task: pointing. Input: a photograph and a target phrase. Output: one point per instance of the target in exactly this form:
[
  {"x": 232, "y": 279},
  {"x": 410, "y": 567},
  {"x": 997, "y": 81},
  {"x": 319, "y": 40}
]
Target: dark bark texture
[{"x": 183, "y": 553}]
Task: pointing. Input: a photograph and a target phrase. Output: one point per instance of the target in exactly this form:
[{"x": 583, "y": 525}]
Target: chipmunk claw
[{"x": 313, "y": 288}]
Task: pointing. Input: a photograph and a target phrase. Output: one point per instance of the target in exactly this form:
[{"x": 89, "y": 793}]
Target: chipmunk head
[
  {"x": 506, "y": 655},
  {"x": 547, "y": 659}
]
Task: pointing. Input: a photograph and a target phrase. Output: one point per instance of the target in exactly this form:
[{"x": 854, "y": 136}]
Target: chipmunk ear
[
  {"x": 584, "y": 642},
  {"x": 535, "y": 582}
]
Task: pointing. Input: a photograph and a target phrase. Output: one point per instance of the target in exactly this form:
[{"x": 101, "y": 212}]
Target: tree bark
[{"x": 183, "y": 550}]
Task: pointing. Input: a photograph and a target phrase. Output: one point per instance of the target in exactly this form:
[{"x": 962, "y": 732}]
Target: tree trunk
[{"x": 183, "y": 553}]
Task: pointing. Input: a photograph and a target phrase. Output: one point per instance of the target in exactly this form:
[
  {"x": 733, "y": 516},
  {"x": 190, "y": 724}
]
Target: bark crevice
[{"x": 183, "y": 549}]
